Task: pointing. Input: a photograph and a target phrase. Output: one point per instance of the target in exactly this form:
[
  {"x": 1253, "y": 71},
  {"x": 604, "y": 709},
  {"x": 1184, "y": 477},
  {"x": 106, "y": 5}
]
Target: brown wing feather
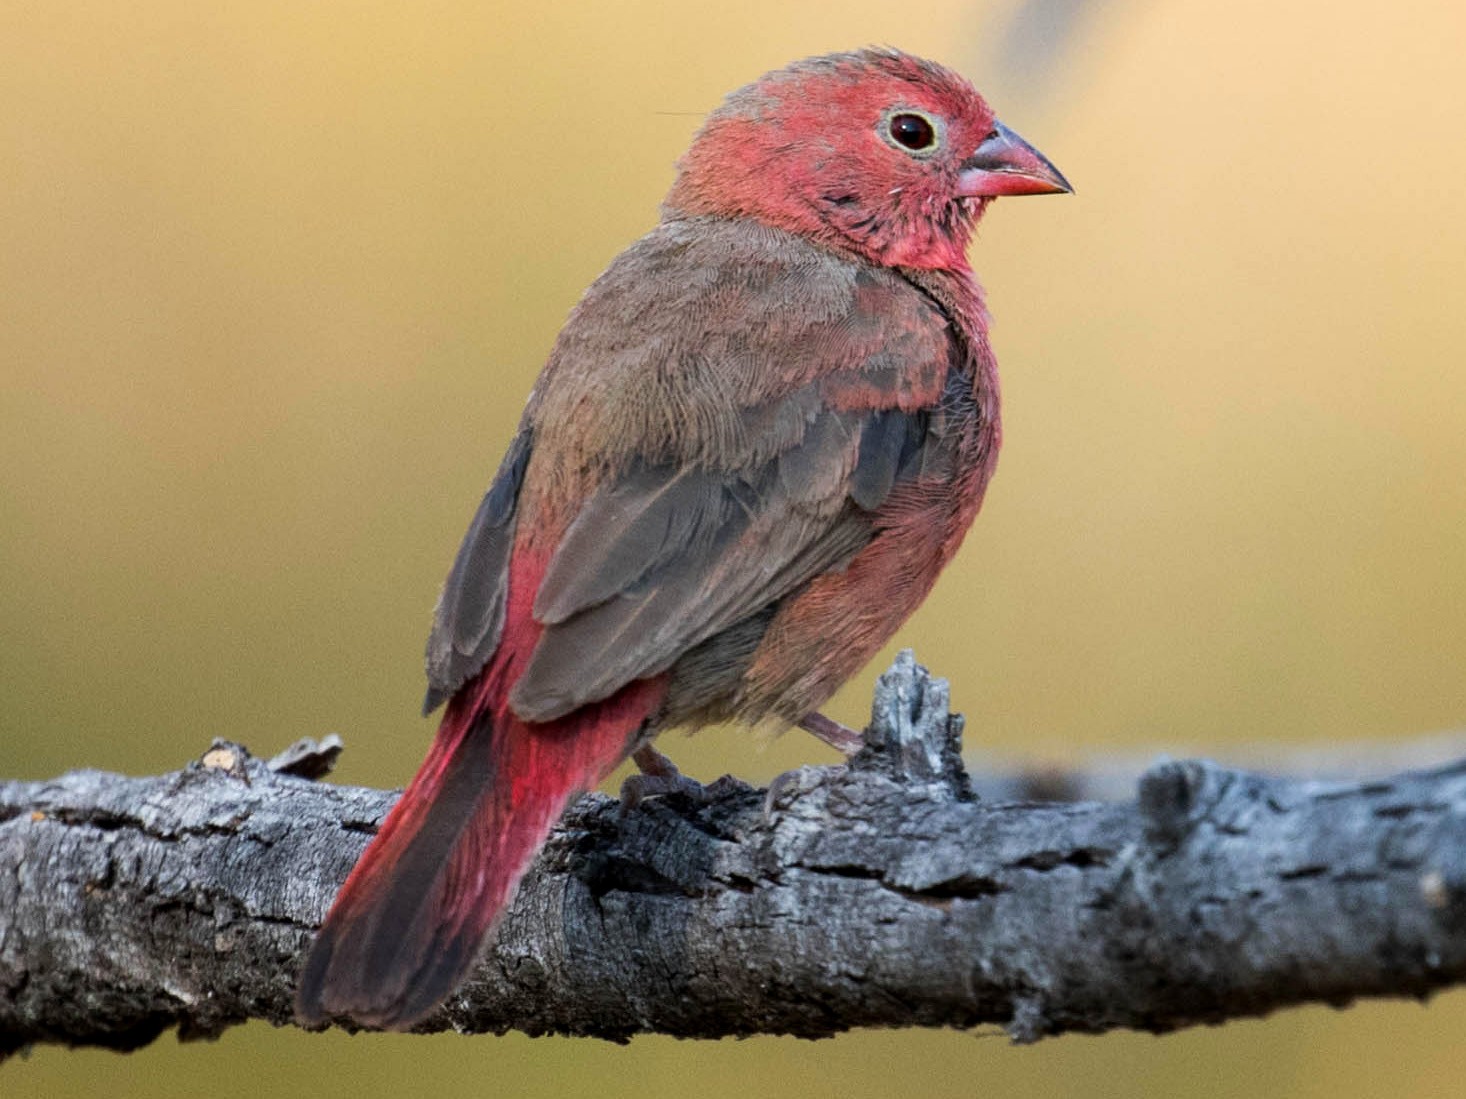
[
  {"x": 721, "y": 415},
  {"x": 694, "y": 552}
]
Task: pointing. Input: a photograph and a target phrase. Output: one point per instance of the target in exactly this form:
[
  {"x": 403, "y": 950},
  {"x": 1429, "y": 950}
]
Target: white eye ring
[{"x": 912, "y": 131}]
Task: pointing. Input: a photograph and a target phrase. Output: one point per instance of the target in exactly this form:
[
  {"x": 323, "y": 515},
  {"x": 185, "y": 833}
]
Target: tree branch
[{"x": 879, "y": 894}]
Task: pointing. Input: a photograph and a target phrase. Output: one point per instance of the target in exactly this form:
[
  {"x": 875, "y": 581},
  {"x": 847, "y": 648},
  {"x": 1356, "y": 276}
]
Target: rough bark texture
[{"x": 882, "y": 894}]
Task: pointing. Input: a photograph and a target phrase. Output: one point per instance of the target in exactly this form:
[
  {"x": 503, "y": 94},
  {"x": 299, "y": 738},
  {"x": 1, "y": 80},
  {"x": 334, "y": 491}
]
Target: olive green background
[{"x": 275, "y": 278}]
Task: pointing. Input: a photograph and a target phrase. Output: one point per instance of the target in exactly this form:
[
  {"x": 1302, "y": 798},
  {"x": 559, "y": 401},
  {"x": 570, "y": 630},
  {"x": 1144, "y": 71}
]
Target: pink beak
[{"x": 1005, "y": 164}]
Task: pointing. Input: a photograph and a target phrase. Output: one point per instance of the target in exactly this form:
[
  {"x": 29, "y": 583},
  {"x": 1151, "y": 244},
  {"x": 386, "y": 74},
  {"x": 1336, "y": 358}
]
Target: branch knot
[{"x": 913, "y": 737}]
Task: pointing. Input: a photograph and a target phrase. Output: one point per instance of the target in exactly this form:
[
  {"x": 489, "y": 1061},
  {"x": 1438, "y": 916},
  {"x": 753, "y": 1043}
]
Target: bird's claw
[
  {"x": 776, "y": 787},
  {"x": 658, "y": 777}
]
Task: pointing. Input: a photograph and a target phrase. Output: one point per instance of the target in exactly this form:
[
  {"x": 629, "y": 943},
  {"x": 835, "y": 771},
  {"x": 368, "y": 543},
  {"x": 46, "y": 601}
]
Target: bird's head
[{"x": 874, "y": 151}]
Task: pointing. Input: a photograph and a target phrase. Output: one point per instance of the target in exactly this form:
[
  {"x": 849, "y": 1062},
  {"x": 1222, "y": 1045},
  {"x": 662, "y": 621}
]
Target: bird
[{"x": 760, "y": 435}]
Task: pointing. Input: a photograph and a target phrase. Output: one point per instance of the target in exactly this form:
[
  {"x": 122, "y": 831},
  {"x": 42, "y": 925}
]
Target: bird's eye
[{"x": 912, "y": 131}]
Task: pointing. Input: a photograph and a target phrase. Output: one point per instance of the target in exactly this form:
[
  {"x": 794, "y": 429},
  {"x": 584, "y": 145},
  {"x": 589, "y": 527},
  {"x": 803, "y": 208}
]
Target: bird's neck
[
  {"x": 932, "y": 242},
  {"x": 904, "y": 230},
  {"x": 956, "y": 290}
]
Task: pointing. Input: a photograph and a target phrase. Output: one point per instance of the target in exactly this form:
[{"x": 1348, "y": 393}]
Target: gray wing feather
[{"x": 470, "y": 611}]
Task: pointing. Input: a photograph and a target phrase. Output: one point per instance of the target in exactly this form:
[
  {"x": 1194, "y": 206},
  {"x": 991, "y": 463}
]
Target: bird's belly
[{"x": 825, "y": 634}]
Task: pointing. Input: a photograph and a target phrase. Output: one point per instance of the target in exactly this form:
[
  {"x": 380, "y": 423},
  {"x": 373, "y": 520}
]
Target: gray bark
[{"x": 879, "y": 894}]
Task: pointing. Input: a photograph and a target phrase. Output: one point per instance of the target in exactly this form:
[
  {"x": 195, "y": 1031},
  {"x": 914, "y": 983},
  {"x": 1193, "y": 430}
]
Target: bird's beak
[{"x": 1005, "y": 164}]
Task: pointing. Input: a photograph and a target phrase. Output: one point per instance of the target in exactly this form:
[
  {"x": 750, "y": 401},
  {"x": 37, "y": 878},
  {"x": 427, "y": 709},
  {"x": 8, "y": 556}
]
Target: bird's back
[{"x": 740, "y": 436}]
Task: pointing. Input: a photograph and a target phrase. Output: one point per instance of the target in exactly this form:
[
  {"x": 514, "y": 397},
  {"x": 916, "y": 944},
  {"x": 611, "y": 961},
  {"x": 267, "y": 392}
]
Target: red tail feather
[{"x": 408, "y": 924}]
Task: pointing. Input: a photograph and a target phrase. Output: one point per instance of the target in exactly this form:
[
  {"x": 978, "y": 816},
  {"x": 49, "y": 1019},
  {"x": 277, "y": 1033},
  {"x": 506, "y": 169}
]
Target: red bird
[{"x": 760, "y": 436}]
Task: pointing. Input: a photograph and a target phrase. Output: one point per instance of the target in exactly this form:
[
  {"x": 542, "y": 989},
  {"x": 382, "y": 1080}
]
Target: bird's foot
[
  {"x": 659, "y": 776},
  {"x": 777, "y": 786},
  {"x": 845, "y": 740},
  {"x": 842, "y": 738}
]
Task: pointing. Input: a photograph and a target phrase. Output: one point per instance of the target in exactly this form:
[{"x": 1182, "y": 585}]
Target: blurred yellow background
[{"x": 275, "y": 279}]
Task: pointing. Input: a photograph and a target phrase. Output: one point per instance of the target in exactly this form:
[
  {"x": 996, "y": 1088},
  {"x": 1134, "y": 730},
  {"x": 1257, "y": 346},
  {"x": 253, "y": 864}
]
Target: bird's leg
[
  {"x": 842, "y": 738},
  {"x": 659, "y": 775}
]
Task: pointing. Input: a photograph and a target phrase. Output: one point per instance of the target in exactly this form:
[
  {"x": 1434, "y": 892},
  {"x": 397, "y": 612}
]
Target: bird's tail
[{"x": 408, "y": 924}]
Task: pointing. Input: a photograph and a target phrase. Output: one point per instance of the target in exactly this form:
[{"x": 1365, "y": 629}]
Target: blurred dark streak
[{"x": 1030, "y": 52}]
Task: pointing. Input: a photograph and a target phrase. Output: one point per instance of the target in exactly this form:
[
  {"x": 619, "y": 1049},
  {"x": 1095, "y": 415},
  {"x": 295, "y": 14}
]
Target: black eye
[{"x": 912, "y": 131}]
